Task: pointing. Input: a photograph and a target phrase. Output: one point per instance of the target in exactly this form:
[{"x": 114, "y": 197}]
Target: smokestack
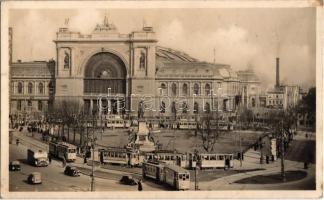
[
  {"x": 10, "y": 45},
  {"x": 277, "y": 73}
]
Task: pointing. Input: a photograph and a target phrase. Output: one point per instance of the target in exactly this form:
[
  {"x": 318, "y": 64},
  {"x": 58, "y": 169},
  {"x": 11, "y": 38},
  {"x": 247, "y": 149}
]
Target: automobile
[
  {"x": 71, "y": 171},
  {"x": 14, "y": 166},
  {"x": 128, "y": 180},
  {"x": 34, "y": 178}
]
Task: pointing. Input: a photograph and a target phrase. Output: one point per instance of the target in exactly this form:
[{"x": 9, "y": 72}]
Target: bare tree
[
  {"x": 68, "y": 113},
  {"x": 209, "y": 135}
]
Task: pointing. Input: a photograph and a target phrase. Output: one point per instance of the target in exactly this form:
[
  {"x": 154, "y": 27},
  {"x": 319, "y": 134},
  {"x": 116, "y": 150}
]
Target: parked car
[
  {"x": 71, "y": 171},
  {"x": 34, "y": 178},
  {"x": 14, "y": 166},
  {"x": 128, "y": 180}
]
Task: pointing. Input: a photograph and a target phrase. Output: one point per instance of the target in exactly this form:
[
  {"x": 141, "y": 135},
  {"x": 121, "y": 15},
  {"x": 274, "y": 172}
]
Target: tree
[
  {"x": 209, "y": 136},
  {"x": 246, "y": 116},
  {"x": 307, "y": 107},
  {"x": 68, "y": 113}
]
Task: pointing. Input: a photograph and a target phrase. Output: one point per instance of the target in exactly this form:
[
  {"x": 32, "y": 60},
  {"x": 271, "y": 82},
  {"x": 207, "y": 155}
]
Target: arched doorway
[{"x": 105, "y": 73}]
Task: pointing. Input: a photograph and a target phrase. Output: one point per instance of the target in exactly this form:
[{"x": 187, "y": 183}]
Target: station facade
[{"x": 111, "y": 73}]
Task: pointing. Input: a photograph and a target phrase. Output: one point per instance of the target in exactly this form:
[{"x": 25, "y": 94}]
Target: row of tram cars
[
  {"x": 165, "y": 166},
  {"x": 182, "y": 124}
]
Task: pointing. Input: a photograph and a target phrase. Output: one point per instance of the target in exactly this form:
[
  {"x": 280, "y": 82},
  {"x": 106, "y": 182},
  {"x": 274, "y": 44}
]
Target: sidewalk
[{"x": 252, "y": 161}]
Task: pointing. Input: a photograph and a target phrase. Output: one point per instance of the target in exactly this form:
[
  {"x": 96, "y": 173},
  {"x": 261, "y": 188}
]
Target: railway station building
[{"x": 113, "y": 73}]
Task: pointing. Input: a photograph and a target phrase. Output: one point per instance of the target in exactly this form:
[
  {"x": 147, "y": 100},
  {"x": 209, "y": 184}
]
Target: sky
[{"x": 244, "y": 38}]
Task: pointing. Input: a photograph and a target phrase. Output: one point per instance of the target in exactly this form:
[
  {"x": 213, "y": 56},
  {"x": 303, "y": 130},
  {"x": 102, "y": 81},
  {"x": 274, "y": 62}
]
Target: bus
[{"x": 63, "y": 150}]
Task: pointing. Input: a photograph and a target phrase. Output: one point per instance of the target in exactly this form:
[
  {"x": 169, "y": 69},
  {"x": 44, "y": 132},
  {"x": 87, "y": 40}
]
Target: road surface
[{"x": 54, "y": 179}]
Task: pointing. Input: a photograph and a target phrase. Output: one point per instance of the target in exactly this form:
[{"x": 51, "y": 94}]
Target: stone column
[
  {"x": 118, "y": 106},
  {"x": 91, "y": 106}
]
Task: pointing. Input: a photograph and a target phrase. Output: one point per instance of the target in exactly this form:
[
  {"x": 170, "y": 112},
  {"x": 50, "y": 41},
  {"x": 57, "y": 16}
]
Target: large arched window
[
  {"x": 40, "y": 88},
  {"x": 174, "y": 89},
  {"x": 207, "y": 89},
  {"x": 196, "y": 89},
  {"x": 30, "y": 88},
  {"x": 20, "y": 88},
  {"x": 196, "y": 108},
  {"x": 185, "y": 89}
]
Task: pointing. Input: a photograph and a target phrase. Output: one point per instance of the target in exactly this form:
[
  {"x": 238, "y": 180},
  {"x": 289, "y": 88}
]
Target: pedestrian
[
  {"x": 139, "y": 184},
  {"x": 64, "y": 162},
  {"x": 85, "y": 159},
  {"x": 49, "y": 158}
]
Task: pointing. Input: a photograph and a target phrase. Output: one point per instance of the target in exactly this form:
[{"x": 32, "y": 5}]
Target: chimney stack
[
  {"x": 10, "y": 45},
  {"x": 277, "y": 73}
]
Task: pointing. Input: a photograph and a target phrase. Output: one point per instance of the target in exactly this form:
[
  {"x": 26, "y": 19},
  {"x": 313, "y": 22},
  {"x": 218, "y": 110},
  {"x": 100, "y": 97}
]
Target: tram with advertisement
[{"x": 172, "y": 175}]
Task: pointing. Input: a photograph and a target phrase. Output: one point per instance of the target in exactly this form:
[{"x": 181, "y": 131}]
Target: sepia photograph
[{"x": 161, "y": 100}]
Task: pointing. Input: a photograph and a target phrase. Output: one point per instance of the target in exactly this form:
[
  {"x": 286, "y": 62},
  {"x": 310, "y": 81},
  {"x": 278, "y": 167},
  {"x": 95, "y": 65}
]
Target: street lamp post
[
  {"x": 283, "y": 175},
  {"x": 196, "y": 182},
  {"x": 93, "y": 149},
  {"x": 240, "y": 149}
]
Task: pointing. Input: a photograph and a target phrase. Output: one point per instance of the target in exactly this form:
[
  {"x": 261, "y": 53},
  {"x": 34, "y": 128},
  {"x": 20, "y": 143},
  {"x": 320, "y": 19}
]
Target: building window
[
  {"x": 174, "y": 89},
  {"x": 40, "y": 105},
  {"x": 253, "y": 102},
  {"x": 196, "y": 89},
  {"x": 207, "y": 107},
  {"x": 184, "y": 107},
  {"x": 40, "y": 88},
  {"x": 196, "y": 108},
  {"x": 51, "y": 87},
  {"x": 19, "y": 105},
  {"x": 162, "y": 109},
  {"x": 29, "y": 103},
  {"x": 185, "y": 89},
  {"x": 163, "y": 88},
  {"x": 207, "y": 89},
  {"x": 20, "y": 88},
  {"x": 173, "y": 108},
  {"x": 30, "y": 88}
]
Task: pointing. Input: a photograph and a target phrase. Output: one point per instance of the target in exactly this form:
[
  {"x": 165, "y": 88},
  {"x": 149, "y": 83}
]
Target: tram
[
  {"x": 63, "y": 150},
  {"x": 168, "y": 157},
  {"x": 215, "y": 160},
  {"x": 121, "y": 156},
  {"x": 172, "y": 175},
  {"x": 186, "y": 124}
]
